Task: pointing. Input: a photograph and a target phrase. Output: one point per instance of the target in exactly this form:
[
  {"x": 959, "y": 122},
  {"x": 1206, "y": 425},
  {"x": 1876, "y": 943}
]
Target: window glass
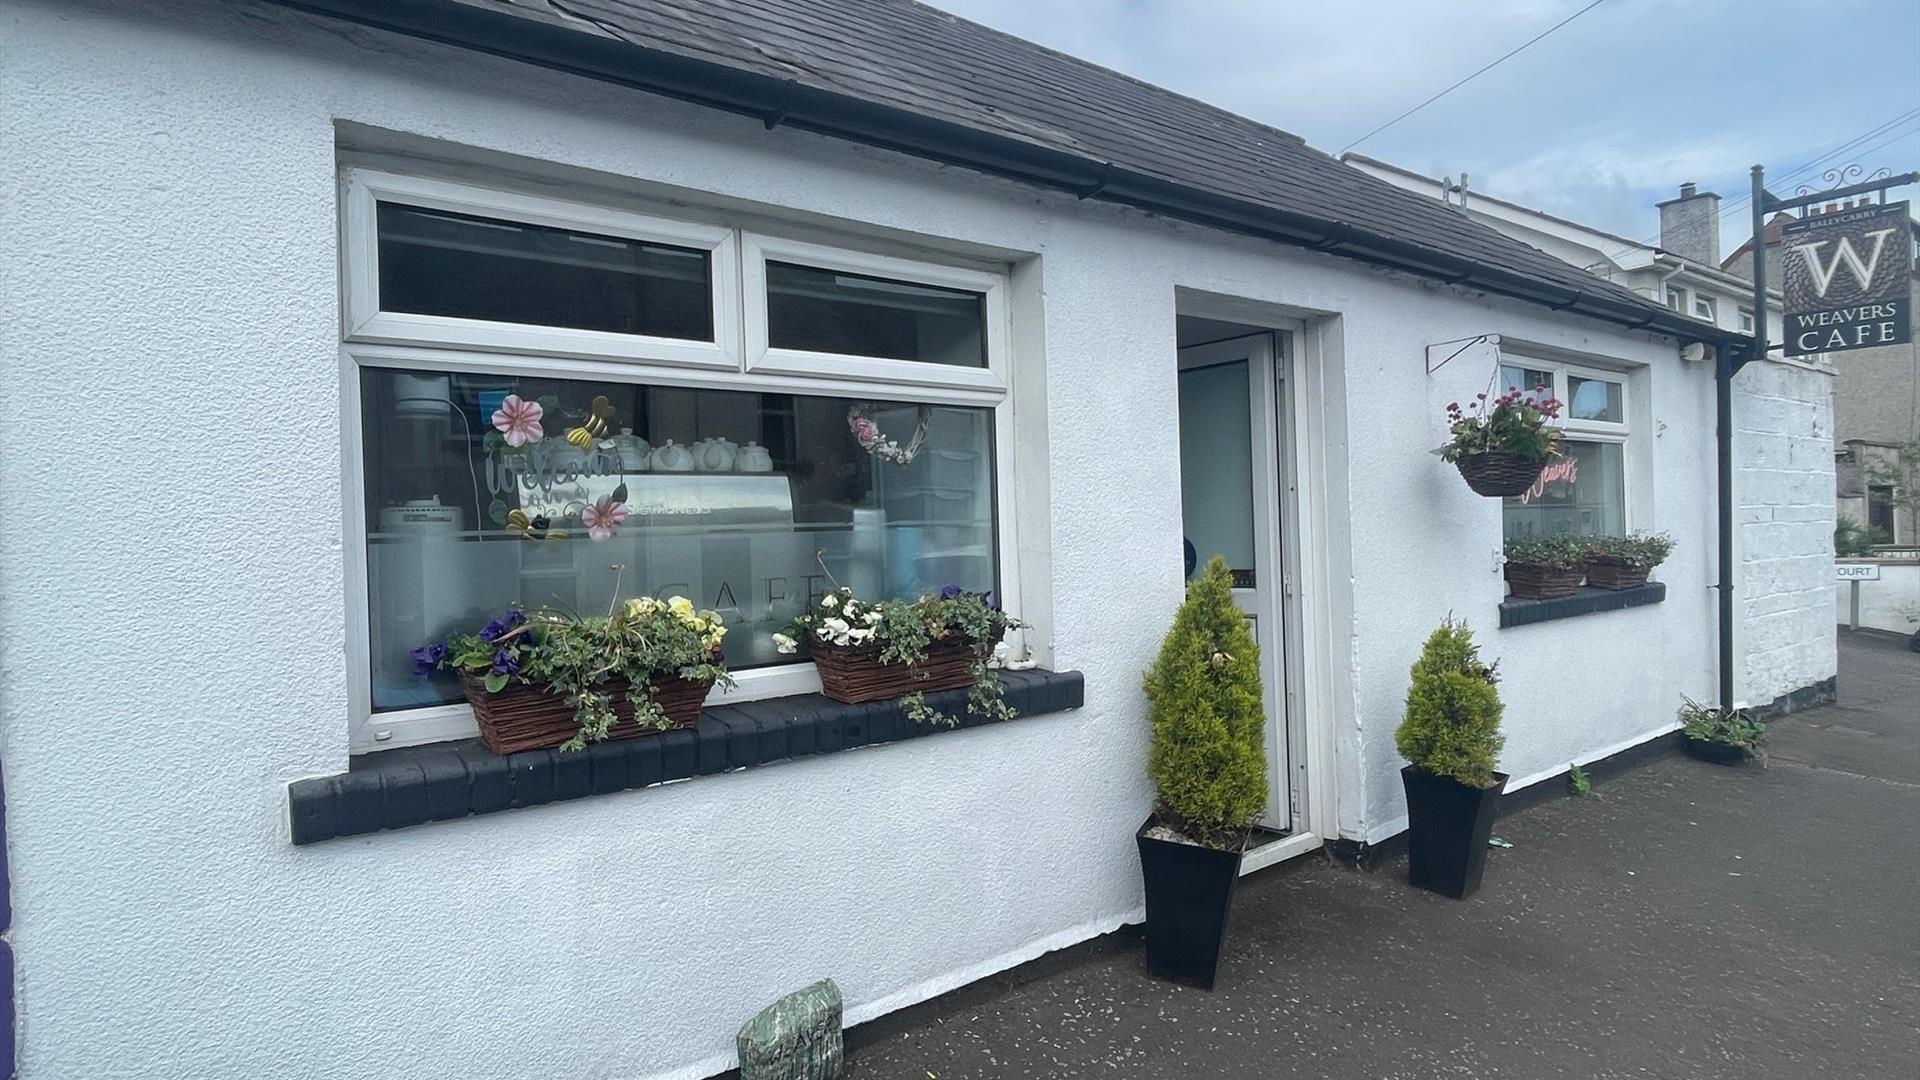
[
  {"x": 753, "y": 504},
  {"x": 434, "y": 262},
  {"x": 1526, "y": 380},
  {"x": 855, "y": 315},
  {"x": 1216, "y": 467},
  {"x": 1703, "y": 308},
  {"x": 1581, "y": 493},
  {"x": 1677, "y": 299},
  {"x": 1594, "y": 399},
  {"x": 1746, "y": 321}
]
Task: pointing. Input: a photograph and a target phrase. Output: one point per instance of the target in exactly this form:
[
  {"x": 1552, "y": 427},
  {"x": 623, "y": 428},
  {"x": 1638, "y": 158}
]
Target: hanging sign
[{"x": 1849, "y": 279}]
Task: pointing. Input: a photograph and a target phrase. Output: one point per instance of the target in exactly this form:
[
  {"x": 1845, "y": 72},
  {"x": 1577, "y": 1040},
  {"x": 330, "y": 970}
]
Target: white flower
[
  {"x": 872, "y": 617},
  {"x": 829, "y": 601},
  {"x": 785, "y": 644},
  {"x": 858, "y": 636},
  {"x": 680, "y": 605}
]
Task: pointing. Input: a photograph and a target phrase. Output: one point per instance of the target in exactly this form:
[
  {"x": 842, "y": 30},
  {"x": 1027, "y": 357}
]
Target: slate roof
[{"x": 848, "y": 66}]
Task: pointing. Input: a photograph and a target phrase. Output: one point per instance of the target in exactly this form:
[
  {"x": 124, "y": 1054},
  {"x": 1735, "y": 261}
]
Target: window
[
  {"x": 1746, "y": 321},
  {"x": 558, "y": 403},
  {"x": 1703, "y": 307},
  {"x": 1677, "y": 298},
  {"x": 1583, "y": 491},
  {"x": 1880, "y": 509}
]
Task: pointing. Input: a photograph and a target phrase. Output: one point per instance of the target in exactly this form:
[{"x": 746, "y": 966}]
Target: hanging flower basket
[
  {"x": 523, "y": 717},
  {"x": 854, "y": 673},
  {"x": 1499, "y": 474}
]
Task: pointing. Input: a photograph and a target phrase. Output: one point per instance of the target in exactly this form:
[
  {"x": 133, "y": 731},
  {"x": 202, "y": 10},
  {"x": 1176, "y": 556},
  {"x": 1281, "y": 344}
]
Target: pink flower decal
[
  {"x": 604, "y": 518},
  {"x": 865, "y": 432},
  {"x": 519, "y": 420}
]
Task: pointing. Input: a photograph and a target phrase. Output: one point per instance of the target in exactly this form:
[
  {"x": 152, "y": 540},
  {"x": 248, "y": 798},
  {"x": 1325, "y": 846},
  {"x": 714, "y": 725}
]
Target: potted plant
[
  {"x": 548, "y": 679},
  {"x": 1723, "y": 736},
  {"x": 883, "y": 649},
  {"x": 1623, "y": 562},
  {"x": 1208, "y": 763},
  {"x": 1451, "y": 739},
  {"x": 1500, "y": 446},
  {"x": 1544, "y": 567}
]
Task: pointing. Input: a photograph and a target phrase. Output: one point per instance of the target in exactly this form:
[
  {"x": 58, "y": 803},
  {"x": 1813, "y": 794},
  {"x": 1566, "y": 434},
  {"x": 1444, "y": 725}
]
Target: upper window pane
[
  {"x": 855, "y": 315},
  {"x": 1525, "y": 380},
  {"x": 435, "y": 262},
  {"x": 752, "y": 504},
  {"x": 1595, "y": 399},
  {"x": 1583, "y": 492}
]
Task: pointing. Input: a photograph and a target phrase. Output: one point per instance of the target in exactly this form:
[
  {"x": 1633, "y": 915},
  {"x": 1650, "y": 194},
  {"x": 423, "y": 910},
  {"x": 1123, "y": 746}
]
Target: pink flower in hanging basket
[
  {"x": 604, "y": 518},
  {"x": 519, "y": 420}
]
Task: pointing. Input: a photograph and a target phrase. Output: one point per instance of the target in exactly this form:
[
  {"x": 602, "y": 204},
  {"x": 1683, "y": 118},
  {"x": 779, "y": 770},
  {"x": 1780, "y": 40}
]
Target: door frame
[{"x": 1308, "y": 602}]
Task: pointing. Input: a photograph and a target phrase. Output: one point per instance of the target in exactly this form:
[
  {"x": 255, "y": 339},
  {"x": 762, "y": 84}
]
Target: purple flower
[
  {"x": 500, "y": 627},
  {"x": 428, "y": 657},
  {"x": 950, "y": 592},
  {"x": 504, "y": 663}
]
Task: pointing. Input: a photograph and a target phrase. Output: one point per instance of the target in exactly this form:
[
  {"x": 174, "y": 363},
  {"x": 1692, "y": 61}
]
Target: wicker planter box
[
  {"x": 1498, "y": 474},
  {"x": 522, "y": 717},
  {"x": 1531, "y": 582},
  {"x": 854, "y": 674},
  {"x": 1613, "y": 575}
]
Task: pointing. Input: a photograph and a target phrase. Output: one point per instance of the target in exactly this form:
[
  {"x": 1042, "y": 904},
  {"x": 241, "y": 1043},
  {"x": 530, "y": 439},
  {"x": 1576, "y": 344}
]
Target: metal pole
[{"x": 1853, "y": 615}]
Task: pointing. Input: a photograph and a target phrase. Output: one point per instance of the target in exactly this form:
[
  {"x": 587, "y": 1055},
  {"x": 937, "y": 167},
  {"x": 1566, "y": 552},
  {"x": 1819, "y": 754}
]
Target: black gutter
[{"x": 584, "y": 48}]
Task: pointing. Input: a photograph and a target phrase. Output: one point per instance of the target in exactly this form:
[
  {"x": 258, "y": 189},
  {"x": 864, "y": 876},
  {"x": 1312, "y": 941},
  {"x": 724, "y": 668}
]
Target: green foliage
[
  {"x": 1852, "y": 538},
  {"x": 1552, "y": 552},
  {"x": 904, "y": 631},
  {"x": 1903, "y": 475},
  {"x": 1637, "y": 551},
  {"x": 576, "y": 657},
  {"x": 1208, "y": 759},
  {"x": 1579, "y": 784},
  {"x": 1728, "y": 727},
  {"x": 1516, "y": 422},
  {"x": 1452, "y": 724}
]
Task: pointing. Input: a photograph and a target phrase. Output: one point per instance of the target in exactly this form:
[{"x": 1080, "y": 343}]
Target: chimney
[{"x": 1690, "y": 226}]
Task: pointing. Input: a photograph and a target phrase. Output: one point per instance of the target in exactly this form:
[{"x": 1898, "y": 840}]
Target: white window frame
[
  {"x": 376, "y": 340},
  {"x": 1596, "y": 431},
  {"x": 758, "y": 249},
  {"x": 1676, "y": 299},
  {"x": 1746, "y": 321},
  {"x": 1700, "y": 301},
  {"x": 363, "y": 190}
]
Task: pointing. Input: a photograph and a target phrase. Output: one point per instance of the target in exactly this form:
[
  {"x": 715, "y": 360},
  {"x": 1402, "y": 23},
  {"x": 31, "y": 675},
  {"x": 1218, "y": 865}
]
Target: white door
[{"x": 1230, "y": 487}]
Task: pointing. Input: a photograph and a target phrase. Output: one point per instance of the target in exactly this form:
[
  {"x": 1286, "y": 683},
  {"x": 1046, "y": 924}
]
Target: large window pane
[
  {"x": 855, "y": 315},
  {"x": 462, "y": 522},
  {"x": 1581, "y": 493},
  {"x": 434, "y": 262}
]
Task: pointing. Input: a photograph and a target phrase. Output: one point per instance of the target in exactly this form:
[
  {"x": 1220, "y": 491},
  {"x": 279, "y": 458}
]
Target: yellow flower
[{"x": 680, "y": 606}]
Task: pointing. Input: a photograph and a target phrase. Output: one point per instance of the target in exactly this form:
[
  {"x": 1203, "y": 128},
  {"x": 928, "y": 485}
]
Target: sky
[{"x": 1597, "y": 122}]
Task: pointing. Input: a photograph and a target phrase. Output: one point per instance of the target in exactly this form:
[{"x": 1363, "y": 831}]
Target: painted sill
[
  {"x": 396, "y": 789},
  {"x": 1586, "y": 601}
]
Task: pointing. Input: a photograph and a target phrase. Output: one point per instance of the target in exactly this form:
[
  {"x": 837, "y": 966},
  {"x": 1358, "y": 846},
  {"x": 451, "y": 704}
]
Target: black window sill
[
  {"x": 395, "y": 789},
  {"x": 1585, "y": 601}
]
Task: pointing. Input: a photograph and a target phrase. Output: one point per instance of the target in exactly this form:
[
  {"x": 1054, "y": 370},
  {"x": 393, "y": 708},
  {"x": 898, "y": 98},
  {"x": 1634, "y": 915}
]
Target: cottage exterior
[{"x": 248, "y": 311}]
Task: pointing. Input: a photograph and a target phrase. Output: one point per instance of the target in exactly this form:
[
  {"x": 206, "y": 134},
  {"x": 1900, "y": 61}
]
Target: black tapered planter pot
[
  {"x": 1717, "y": 752},
  {"x": 1189, "y": 893},
  {"x": 1448, "y": 824}
]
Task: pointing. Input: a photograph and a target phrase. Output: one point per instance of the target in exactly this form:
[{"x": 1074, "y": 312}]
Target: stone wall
[{"x": 1783, "y": 483}]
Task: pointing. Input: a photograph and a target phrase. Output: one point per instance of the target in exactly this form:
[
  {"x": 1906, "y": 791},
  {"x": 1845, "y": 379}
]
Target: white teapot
[
  {"x": 670, "y": 458},
  {"x": 715, "y": 455},
  {"x": 754, "y": 458},
  {"x": 635, "y": 453}
]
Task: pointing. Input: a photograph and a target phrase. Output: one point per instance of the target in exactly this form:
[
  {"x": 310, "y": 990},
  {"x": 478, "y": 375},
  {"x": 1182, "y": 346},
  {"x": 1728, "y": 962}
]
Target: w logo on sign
[{"x": 1843, "y": 252}]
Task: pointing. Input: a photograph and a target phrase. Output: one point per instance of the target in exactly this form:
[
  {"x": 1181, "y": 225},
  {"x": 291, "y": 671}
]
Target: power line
[{"x": 1503, "y": 59}]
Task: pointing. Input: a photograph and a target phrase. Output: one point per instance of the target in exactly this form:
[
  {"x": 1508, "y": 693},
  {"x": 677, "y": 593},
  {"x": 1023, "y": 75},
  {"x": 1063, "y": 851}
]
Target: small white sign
[{"x": 1857, "y": 571}]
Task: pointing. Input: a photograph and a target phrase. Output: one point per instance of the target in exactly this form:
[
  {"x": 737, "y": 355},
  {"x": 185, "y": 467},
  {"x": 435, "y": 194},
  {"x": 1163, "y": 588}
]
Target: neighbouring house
[
  {"x": 286, "y": 264},
  {"x": 1876, "y": 410},
  {"x": 1784, "y": 413}
]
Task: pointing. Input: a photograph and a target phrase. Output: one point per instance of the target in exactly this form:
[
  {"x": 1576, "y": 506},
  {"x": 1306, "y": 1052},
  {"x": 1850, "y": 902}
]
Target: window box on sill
[
  {"x": 398, "y": 788},
  {"x": 1585, "y": 600}
]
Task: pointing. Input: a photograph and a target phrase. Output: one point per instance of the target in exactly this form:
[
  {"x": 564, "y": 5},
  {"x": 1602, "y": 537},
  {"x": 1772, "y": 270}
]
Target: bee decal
[
  {"x": 597, "y": 425},
  {"x": 533, "y": 528}
]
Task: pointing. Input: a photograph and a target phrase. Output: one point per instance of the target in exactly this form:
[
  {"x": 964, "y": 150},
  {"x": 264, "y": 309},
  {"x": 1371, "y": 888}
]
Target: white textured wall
[
  {"x": 174, "y": 621},
  {"x": 1783, "y": 487},
  {"x": 1891, "y": 604}
]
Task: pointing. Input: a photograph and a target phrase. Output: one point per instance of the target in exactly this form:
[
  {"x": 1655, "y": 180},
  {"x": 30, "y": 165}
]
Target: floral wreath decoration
[{"x": 866, "y": 431}]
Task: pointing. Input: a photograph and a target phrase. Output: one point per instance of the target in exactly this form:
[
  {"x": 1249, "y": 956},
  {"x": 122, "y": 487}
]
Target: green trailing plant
[
  {"x": 1516, "y": 422},
  {"x": 1635, "y": 551},
  {"x": 1208, "y": 759},
  {"x": 580, "y": 658},
  {"x": 1551, "y": 552},
  {"x": 905, "y": 631},
  {"x": 1452, "y": 723},
  {"x": 1850, "y": 538},
  {"x": 1579, "y": 784},
  {"x": 1727, "y": 727}
]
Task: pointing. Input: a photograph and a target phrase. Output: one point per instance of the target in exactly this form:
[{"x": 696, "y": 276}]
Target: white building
[{"x": 268, "y": 269}]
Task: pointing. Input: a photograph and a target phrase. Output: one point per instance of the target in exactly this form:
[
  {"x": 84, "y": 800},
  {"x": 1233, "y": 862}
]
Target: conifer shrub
[
  {"x": 1452, "y": 724},
  {"x": 1208, "y": 759}
]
